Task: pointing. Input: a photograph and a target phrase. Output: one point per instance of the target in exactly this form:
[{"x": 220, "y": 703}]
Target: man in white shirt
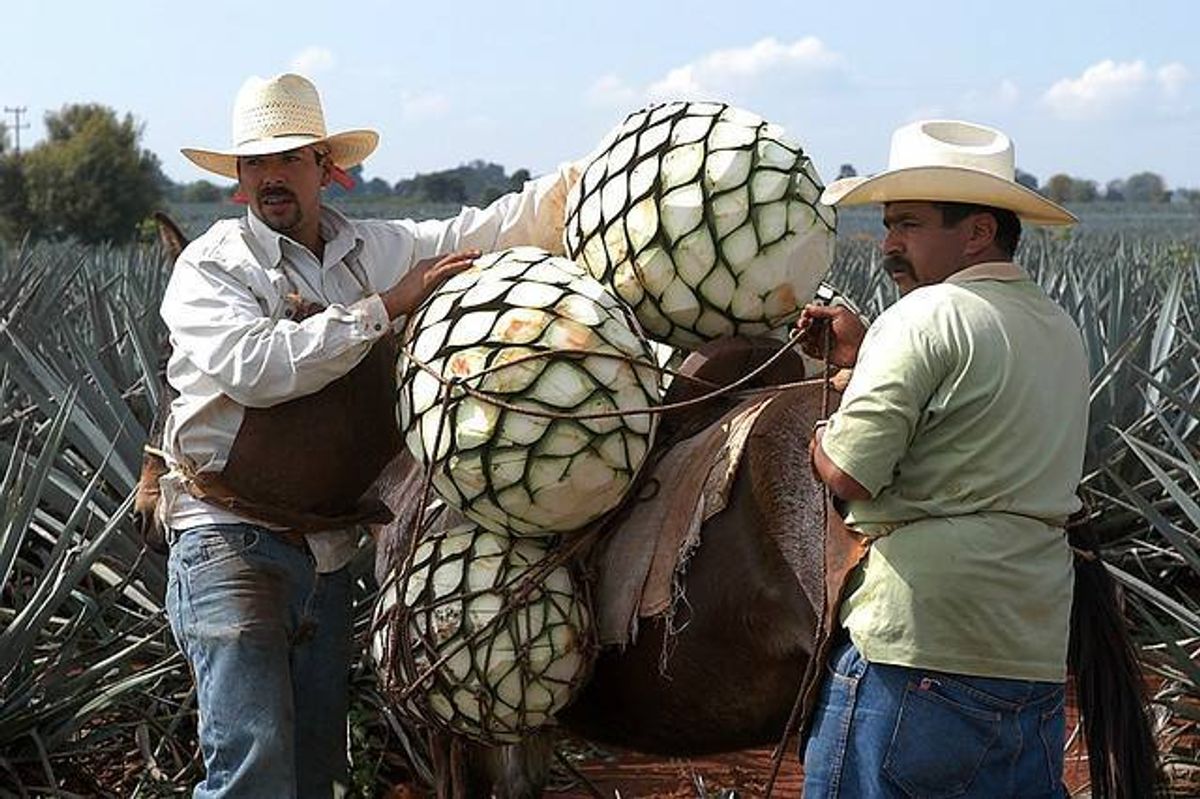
[{"x": 281, "y": 329}]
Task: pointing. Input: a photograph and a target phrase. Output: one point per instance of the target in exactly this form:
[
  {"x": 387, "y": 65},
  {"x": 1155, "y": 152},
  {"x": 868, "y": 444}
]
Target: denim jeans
[
  {"x": 269, "y": 643},
  {"x": 891, "y": 731}
]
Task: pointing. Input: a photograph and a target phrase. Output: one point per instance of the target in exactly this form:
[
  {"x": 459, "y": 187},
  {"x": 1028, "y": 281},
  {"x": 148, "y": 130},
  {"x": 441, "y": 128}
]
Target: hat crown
[
  {"x": 286, "y": 105},
  {"x": 943, "y": 142}
]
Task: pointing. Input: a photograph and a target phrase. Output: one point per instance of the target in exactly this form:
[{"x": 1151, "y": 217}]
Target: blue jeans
[
  {"x": 891, "y": 731},
  {"x": 269, "y": 643}
]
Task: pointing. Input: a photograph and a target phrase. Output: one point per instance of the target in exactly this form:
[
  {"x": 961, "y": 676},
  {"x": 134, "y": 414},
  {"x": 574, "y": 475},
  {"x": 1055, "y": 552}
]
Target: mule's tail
[{"x": 1122, "y": 756}]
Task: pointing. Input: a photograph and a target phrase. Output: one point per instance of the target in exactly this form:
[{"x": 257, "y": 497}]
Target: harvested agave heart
[
  {"x": 705, "y": 219},
  {"x": 531, "y": 331},
  {"x": 495, "y": 639}
]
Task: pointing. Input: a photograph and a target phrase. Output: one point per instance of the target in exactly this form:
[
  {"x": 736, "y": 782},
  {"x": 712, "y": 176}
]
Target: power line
[{"x": 16, "y": 112}]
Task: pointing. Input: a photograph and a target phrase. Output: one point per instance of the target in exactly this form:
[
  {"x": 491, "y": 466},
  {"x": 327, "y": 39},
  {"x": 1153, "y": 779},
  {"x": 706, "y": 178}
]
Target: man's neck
[{"x": 316, "y": 246}]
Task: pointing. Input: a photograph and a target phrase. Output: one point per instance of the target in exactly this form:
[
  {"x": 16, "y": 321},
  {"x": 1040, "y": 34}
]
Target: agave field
[{"x": 95, "y": 699}]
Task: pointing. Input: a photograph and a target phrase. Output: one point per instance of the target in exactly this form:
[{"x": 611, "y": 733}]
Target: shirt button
[{"x": 378, "y": 326}]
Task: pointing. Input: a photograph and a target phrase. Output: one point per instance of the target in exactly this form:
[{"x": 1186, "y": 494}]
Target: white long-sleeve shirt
[{"x": 233, "y": 345}]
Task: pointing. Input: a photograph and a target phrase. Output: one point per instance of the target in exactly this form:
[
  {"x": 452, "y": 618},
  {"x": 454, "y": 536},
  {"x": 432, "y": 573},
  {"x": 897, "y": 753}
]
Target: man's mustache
[
  {"x": 896, "y": 265},
  {"x": 275, "y": 191}
]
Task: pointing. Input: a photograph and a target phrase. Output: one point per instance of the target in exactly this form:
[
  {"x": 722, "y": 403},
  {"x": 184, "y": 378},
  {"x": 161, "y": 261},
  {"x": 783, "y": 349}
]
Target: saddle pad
[{"x": 637, "y": 566}]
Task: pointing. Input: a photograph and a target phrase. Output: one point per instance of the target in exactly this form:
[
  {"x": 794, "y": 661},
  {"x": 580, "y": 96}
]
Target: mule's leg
[
  {"x": 520, "y": 771},
  {"x": 459, "y": 770}
]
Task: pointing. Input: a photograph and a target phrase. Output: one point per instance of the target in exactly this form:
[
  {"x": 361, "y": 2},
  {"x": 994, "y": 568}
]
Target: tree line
[
  {"x": 91, "y": 180},
  {"x": 1143, "y": 187},
  {"x": 475, "y": 183}
]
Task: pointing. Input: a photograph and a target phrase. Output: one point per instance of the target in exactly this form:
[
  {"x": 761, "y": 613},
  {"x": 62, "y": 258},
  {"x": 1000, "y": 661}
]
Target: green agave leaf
[
  {"x": 17, "y": 518},
  {"x": 1159, "y": 522}
]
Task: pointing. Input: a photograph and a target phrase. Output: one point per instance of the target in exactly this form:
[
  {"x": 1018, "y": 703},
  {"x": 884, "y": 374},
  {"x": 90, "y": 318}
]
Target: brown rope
[
  {"x": 789, "y": 729},
  {"x": 397, "y": 641},
  {"x": 490, "y": 397}
]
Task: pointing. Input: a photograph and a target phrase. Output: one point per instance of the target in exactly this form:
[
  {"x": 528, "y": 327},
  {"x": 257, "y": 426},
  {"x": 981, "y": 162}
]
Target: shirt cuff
[
  {"x": 844, "y": 458},
  {"x": 372, "y": 317}
]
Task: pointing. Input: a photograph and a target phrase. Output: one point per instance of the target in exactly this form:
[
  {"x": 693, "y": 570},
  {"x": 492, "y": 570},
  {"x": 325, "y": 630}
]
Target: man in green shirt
[{"x": 957, "y": 448}]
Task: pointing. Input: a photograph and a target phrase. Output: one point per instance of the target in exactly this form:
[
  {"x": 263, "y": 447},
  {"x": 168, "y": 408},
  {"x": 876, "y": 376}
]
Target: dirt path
[
  {"x": 629, "y": 775},
  {"x": 614, "y": 772}
]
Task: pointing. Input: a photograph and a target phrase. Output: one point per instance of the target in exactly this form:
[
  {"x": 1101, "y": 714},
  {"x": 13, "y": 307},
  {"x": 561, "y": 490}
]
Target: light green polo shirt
[{"x": 966, "y": 419}]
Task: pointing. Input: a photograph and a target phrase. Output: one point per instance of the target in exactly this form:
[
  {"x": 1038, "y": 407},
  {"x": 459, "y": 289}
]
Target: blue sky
[{"x": 1099, "y": 89}]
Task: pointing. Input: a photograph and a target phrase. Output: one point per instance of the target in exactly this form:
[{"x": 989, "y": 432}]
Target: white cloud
[
  {"x": 312, "y": 60},
  {"x": 680, "y": 83},
  {"x": 1007, "y": 93},
  {"x": 1001, "y": 97},
  {"x": 808, "y": 53},
  {"x": 1102, "y": 89},
  {"x": 723, "y": 73},
  {"x": 610, "y": 90},
  {"x": 1172, "y": 77},
  {"x": 423, "y": 105}
]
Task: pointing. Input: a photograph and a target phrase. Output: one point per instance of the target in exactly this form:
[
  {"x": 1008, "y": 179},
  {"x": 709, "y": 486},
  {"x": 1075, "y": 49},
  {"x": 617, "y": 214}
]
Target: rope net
[
  {"x": 481, "y": 634},
  {"x": 526, "y": 330},
  {"x": 705, "y": 219}
]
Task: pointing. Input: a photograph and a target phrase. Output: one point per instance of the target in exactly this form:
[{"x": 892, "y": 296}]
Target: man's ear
[
  {"x": 981, "y": 232},
  {"x": 326, "y": 163}
]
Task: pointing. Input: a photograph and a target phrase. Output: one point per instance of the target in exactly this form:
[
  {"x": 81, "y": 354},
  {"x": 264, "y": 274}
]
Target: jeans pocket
[
  {"x": 825, "y": 752},
  {"x": 1052, "y": 729},
  {"x": 207, "y": 547},
  {"x": 940, "y": 740}
]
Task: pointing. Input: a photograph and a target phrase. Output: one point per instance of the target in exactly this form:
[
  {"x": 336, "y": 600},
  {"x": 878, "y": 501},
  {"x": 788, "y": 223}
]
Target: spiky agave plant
[
  {"x": 87, "y": 664},
  {"x": 537, "y": 341},
  {"x": 481, "y": 635},
  {"x": 705, "y": 219}
]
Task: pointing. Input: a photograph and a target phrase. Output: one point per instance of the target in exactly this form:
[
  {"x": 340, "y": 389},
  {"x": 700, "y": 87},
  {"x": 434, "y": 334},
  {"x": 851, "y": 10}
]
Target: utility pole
[{"x": 16, "y": 112}]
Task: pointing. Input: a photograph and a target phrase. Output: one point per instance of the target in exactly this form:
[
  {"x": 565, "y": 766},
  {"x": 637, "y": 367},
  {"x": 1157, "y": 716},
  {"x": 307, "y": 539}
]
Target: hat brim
[
  {"x": 348, "y": 148},
  {"x": 948, "y": 184}
]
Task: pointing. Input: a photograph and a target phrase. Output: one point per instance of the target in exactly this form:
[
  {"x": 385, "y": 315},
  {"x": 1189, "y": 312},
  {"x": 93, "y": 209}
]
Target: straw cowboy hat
[
  {"x": 277, "y": 115},
  {"x": 950, "y": 161}
]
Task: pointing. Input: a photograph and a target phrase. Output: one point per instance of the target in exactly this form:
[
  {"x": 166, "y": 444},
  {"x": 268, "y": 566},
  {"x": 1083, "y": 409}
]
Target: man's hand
[
  {"x": 846, "y": 333},
  {"x": 423, "y": 279}
]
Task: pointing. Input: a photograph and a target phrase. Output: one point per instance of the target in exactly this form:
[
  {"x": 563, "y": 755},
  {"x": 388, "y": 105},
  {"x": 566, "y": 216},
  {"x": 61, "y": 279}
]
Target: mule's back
[{"x": 722, "y": 674}]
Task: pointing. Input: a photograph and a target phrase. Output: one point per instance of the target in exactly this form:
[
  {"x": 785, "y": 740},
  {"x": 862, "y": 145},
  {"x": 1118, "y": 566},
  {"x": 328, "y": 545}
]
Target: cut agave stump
[
  {"x": 498, "y": 642},
  {"x": 534, "y": 331},
  {"x": 705, "y": 219}
]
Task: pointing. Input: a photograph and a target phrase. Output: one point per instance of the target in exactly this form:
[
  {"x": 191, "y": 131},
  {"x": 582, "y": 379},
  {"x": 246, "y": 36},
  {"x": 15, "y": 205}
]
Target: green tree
[
  {"x": 1026, "y": 179},
  {"x": 202, "y": 191},
  {"x": 377, "y": 187},
  {"x": 517, "y": 180},
  {"x": 89, "y": 179},
  {"x": 440, "y": 188},
  {"x": 1145, "y": 187},
  {"x": 1062, "y": 188},
  {"x": 847, "y": 171},
  {"x": 14, "y": 217}
]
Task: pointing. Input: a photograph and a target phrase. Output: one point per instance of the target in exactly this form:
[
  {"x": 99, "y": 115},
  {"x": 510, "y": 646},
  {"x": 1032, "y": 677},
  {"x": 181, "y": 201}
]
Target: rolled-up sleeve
[
  {"x": 218, "y": 324},
  {"x": 898, "y": 370}
]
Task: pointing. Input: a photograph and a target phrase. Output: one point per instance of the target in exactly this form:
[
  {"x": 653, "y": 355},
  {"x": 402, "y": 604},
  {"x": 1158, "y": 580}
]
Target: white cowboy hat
[
  {"x": 949, "y": 161},
  {"x": 277, "y": 115}
]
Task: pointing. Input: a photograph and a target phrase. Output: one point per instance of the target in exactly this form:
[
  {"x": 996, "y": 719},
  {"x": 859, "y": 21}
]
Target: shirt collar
[
  {"x": 989, "y": 270},
  {"x": 339, "y": 234}
]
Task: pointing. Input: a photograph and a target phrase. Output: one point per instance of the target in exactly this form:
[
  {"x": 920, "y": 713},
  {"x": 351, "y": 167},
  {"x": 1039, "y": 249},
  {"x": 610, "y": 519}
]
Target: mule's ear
[{"x": 170, "y": 236}]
